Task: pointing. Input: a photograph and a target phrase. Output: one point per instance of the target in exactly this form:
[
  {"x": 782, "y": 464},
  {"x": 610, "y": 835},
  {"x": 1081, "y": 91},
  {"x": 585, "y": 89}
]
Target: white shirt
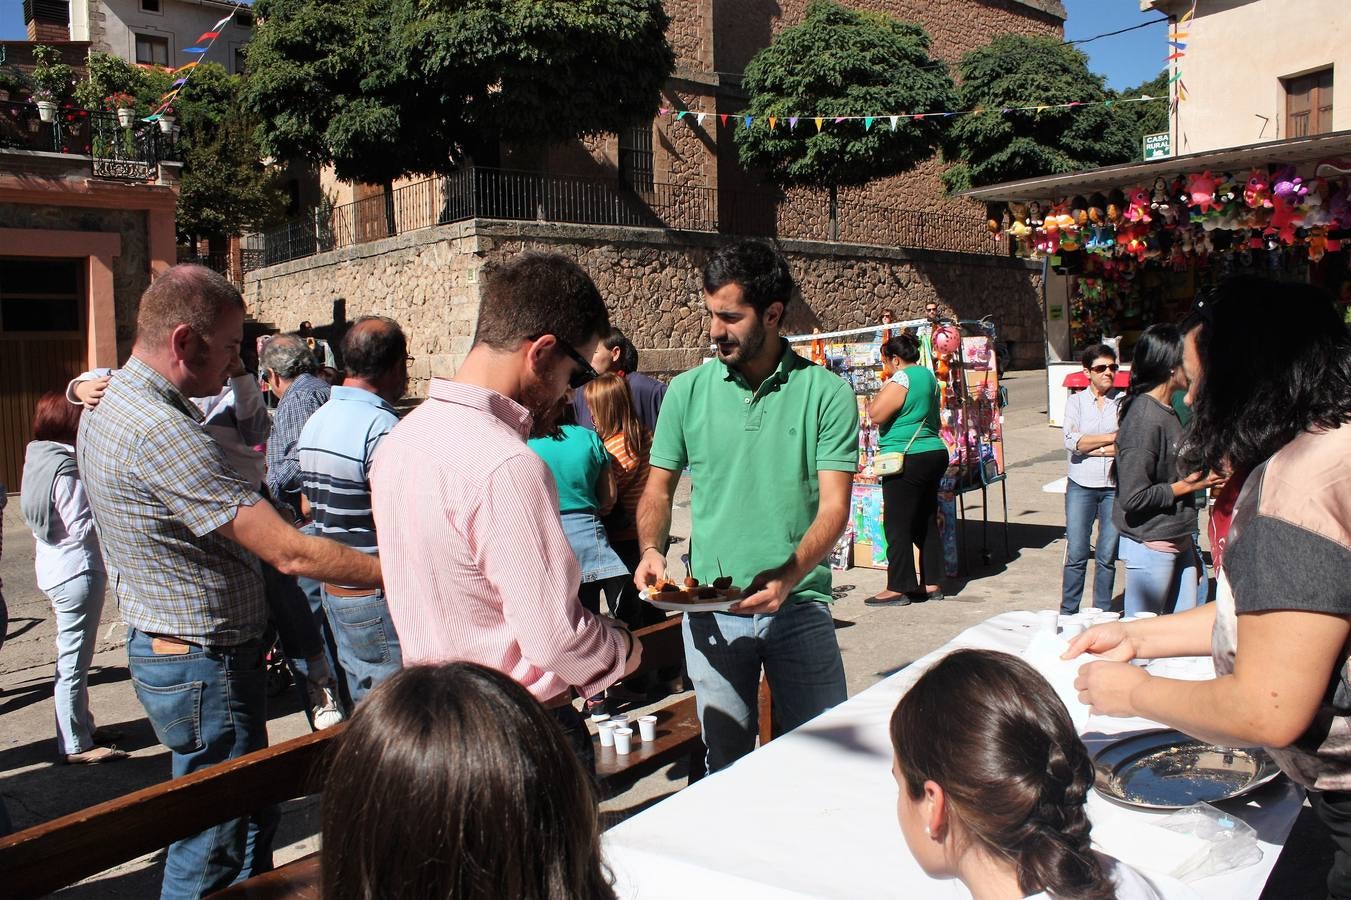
[{"x": 75, "y": 549}]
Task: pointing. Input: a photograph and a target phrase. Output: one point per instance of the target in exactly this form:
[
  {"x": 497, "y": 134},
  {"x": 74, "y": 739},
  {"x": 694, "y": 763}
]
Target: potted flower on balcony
[
  {"x": 54, "y": 81},
  {"x": 166, "y": 120},
  {"x": 46, "y": 101},
  {"x": 125, "y": 105}
]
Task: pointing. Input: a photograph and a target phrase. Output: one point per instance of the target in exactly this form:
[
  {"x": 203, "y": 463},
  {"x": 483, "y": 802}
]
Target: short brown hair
[
  {"x": 537, "y": 294},
  {"x": 185, "y": 295},
  {"x": 55, "y": 418}
]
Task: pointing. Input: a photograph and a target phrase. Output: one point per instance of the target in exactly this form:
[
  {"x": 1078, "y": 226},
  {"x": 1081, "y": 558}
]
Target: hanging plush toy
[
  {"x": 1139, "y": 208},
  {"x": 1284, "y": 219},
  {"x": 1034, "y": 214},
  {"x": 1287, "y": 186},
  {"x": 1339, "y": 206},
  {"x": 1201, "y": 191},
  {"x": 1159, "y": 199},
  {"x": 1257, "y": 193},
  {"x": 1315, "y": 208}
]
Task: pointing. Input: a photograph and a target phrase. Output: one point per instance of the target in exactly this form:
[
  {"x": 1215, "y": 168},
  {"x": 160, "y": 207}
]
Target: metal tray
[{"x": 1166, "y": 769}]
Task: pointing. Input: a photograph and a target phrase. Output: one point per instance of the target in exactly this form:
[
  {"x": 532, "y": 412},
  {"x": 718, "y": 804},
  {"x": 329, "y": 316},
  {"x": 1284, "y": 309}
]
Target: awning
[{"x": 1293, "y": 151}]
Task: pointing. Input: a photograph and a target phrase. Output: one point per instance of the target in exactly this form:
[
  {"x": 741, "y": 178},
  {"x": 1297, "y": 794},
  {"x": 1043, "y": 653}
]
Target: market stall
[
  {"x": 1126, "y": 246},
  {"x": 972, "y": 427}
]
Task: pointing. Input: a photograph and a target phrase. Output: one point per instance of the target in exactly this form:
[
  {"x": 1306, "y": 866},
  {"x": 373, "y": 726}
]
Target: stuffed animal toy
[
  {"x": 1201, "y": 191},
  {"x": 1315, "y": 209},
  {"x": 1139, "y": 208},
  {"x": 1284, "y": 219},
  {"x": 1034, "y": 214},
  {"x": 1019, "y": 229},
  {"x": 1159, "y": 199},
  {"x": 1288, "y": 186},
  {"x": 1257, "y": 193},
  {"x": 1318, "y": 242},
  {"x": 1339, "y": 206},
  {"x": 946, "y": 339}
]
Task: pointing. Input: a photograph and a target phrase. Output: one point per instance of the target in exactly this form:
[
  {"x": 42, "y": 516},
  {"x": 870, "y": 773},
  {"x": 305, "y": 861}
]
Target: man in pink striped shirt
[{"x": 479, "y": 568}]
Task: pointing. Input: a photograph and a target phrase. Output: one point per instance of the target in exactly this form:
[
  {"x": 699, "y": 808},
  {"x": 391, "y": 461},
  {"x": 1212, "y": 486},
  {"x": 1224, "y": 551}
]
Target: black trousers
[
  {"x": 909, "y": 503},
  {"x": 1334, "y": 809}
]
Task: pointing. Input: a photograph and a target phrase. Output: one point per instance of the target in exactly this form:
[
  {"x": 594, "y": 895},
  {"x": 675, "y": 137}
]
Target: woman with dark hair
[
  {"x": 1276, "y": 411},
  {"x": 1156, "y": 510},
  {"x": 452, "y": 781},
  {"x": 69, "y": 567},
  {"x": 587, "y": 490},
  {"x": 996, "y": 796},
  {"x": 906, "y": 411}
]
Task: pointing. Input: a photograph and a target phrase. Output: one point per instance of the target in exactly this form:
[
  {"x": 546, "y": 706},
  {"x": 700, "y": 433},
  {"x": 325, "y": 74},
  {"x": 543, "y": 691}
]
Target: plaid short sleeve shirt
[{"x": 159, "y": 487}]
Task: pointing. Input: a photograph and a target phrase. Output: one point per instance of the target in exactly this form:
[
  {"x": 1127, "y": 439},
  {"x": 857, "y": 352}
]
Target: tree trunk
[
  {"x": 834, "y": 214},
  {"x": 391, "y": 225}
]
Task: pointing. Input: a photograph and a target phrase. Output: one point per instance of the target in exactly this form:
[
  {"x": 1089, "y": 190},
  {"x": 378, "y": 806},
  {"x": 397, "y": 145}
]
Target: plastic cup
[
  {"x": 599, "y": 717},
  {"x": 606, "y": 731},
  {"x": 1071, "y": 631},
  {"x": 1048, "y": 620},
  {"x": 621, "y": 720},
  {"x": 647, "y": 728},
  {"x": 623, "y": 740},
  {"x": 1146, "y": 615}
]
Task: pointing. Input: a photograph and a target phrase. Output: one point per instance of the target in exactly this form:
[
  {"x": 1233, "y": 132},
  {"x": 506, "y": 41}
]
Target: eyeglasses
[
  {"x": 1103, "y": 367},
  {"x": 584, "y": 374}
]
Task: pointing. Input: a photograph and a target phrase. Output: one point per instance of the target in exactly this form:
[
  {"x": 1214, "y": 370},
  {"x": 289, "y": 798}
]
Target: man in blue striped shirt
[{"x": 337, "y": 447}]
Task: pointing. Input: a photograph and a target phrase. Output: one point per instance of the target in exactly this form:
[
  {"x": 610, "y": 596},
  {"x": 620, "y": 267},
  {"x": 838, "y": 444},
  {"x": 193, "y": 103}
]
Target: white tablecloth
[{"x": 813, "y": 813}]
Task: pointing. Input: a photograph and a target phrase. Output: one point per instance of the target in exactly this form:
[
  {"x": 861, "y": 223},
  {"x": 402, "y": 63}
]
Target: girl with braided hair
[{"x": 995, "y": 797}]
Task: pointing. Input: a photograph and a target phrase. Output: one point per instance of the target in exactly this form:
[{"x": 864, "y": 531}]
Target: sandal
[{"x": 97, "y": 756}]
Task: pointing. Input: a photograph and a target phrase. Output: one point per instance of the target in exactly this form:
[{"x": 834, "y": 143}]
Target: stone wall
[
  {"x": 650, "y": 278},
  {"x": 131, "y": 270},
  {"x": 427, "y": 280}
]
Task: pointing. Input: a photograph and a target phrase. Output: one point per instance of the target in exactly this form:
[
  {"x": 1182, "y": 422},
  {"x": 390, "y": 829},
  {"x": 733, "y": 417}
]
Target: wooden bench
[
  {"x": 41, "y": 859},
  {"x": 38, "y": 860}
]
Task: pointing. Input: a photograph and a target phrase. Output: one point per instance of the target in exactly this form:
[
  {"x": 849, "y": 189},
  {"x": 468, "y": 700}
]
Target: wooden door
[{"x": 42, "y": 345}]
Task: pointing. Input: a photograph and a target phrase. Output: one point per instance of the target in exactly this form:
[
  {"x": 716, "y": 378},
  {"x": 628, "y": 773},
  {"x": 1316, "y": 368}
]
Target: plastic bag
[{"x": 1229, "y": 842}]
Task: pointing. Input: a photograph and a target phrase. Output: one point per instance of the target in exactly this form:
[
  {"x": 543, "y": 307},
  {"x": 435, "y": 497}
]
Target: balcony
[{"x": 133, "y": 153}]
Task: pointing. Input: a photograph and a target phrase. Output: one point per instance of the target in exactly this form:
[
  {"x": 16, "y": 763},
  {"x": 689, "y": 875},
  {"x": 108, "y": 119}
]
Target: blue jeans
[
  {"x": 1082, "y": 506},
  {"x": 368, "y": 645},
  {"x": 207, "y": 706},
  {"x": 77, "y": 603},
  {"x": 1163, "y": 582},
  {"x": 724, "y": 654}
]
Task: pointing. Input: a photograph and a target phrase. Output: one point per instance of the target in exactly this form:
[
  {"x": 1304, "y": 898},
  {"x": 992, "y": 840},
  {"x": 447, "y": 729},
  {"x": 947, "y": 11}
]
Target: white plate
[{"x": 720, "y": 605}]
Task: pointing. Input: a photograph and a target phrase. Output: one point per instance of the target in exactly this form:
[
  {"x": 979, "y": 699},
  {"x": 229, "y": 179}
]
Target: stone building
[
  {"x": 648, "y": 204},
  {"x": 81, "y": 235}
]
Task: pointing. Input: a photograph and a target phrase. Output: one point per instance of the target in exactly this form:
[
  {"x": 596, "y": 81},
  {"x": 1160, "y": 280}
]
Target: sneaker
[{"x": 324, "y": 709}]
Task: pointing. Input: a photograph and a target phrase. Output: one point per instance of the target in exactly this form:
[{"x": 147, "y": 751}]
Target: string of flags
[
  {"x": 200, "y": 48},
  {"x": 820, "y": 122},
  {"x": 1175, "y": 40}
]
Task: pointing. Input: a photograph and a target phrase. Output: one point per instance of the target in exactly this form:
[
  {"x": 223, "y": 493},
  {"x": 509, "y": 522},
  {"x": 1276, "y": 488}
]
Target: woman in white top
[
  {"x": 69, "y": 571},
  {"x": 995, "y": 795}
]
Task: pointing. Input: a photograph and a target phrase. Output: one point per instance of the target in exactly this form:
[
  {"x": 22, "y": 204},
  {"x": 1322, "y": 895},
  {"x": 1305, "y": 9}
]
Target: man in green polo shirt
[{"x": 771, "y": 441}]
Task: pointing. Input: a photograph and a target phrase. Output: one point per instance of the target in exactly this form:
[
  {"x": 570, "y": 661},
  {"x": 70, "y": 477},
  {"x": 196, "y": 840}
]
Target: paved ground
[{"x": 875, "y": 643}]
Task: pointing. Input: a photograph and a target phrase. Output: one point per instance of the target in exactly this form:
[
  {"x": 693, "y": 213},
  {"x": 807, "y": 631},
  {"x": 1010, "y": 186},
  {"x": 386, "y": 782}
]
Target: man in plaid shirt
[{"x": 180, "y": 529}]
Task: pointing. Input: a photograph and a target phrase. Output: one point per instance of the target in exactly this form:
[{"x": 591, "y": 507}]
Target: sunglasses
[
  {"x": 584, "y": 373},
  {"x": 1100, "y": 368}
]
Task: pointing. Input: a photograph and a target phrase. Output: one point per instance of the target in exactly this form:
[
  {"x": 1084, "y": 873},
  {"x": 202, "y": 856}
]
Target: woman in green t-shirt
[{"x": 906, "y": 411}]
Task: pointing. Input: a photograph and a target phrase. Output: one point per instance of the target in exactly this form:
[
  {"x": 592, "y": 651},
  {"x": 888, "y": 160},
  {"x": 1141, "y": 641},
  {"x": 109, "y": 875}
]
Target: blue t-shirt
[{"x": 576, "y": 458}]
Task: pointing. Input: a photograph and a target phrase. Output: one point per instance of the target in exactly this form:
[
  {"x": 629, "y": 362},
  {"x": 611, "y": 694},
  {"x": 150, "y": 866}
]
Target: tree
[
  {"x": 840, "y": 62},
  {"x": 225, "y": 189},
  {"x": 1141, "y": 119},
  {"x": 381, "y": 89},
  {"x": 1017, "y": 70}
]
